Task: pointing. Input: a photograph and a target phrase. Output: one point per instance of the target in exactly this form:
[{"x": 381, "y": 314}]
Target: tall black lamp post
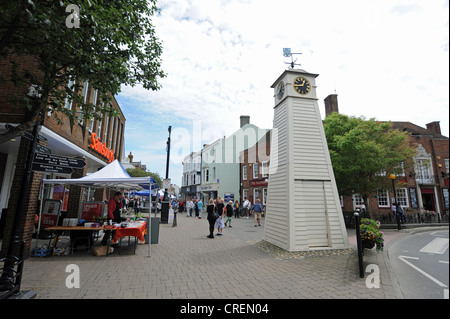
[
  {"x": 165, "y": 202},
  {"x": 397, "y": 211}
]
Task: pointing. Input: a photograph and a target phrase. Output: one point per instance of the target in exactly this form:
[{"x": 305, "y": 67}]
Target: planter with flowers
[{"x": 371, "y": 235}]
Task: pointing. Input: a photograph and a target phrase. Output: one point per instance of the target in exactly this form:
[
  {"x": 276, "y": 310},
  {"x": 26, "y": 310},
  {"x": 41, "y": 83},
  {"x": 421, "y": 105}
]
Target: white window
[
  {"x": 255, "y": 194},
  {"x": 265, "y": 168},
  {"x": 85, "y": 91},
  {"x": 244, "y": 195},
  {"x": 244, "y": 172},
  {"x": 255, "y": 170},
  {"x": 383, "y": 198},
  {"x": 357, "y": 200},
  {"x": 68, "y": 102},
  {"x": 107, "y": 125},
  {"x": 94, "y": 102},
  {"x": 84, "y": 95},
  {"x": 423, "y": 171},
  {"x": 402, "y": 196},
  {"x": 99, "y": 128},
  {"x": 446, "y": 165}
]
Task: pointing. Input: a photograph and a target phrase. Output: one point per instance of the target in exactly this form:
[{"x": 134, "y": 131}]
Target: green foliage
[
  {"x": 363, "y": 151},
  {"x": 137, "y": 172},
  {"x": 115, "y": 45}
]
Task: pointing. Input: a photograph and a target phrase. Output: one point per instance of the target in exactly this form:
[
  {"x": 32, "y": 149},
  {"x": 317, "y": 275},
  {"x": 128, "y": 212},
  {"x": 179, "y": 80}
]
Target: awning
[{"x": 112, "y": 175}]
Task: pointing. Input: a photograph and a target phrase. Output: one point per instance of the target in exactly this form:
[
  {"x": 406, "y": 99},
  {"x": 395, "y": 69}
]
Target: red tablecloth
[{"x": 138, "y": 232}]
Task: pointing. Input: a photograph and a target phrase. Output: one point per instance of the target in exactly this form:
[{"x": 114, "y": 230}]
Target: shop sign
[
  {"x": 101, "y": 148},
  {"x": 260, "y": 182}
]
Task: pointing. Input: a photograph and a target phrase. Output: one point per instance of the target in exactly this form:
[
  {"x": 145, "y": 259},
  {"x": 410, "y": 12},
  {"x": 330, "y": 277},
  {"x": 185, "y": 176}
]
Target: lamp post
[
  {"x": 397, "y": 212},
  {"x": 165, "y": 202}
]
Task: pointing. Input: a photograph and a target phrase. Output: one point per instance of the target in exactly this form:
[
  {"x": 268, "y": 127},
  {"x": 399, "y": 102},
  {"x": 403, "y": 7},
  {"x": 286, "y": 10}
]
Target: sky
[{"x": 385, "y": 59}]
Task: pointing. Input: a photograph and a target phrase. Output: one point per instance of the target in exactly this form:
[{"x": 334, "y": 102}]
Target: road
[{"x": 420, "y": 264}]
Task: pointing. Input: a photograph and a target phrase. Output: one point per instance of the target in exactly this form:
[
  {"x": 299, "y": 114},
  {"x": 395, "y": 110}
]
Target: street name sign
[
  {"x": 43, "y": 149},
  {"x": 51, "y": 168}
]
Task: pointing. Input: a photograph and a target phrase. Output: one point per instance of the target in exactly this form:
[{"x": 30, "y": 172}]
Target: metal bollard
[{"x": 359, "y": 244}]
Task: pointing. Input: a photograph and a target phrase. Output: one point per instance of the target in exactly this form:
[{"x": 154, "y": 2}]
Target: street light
[
  {"x": 397, "y": 211},
  {"x": 165, "y": 202}
]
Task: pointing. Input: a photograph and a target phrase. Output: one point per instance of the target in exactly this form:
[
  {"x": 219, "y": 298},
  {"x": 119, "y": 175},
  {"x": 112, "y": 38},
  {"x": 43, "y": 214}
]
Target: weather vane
[{"x": 287, "y": 53}]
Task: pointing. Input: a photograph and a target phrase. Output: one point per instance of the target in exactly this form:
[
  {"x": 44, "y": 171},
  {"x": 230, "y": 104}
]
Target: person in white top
[{"x": 246, "y": 207}]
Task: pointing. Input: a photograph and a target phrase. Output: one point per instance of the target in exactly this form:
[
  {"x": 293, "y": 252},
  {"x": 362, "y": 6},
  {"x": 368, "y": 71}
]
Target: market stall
[{"x": 112, "y": 176}]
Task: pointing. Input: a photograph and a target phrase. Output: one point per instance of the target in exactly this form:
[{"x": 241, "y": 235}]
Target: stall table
[
  {"x": 60, "y": 229},
  {"x": 137, "y": 230}
]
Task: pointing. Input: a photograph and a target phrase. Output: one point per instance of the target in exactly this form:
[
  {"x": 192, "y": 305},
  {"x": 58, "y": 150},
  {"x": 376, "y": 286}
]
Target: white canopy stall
[{"x": 114, "y": 176}]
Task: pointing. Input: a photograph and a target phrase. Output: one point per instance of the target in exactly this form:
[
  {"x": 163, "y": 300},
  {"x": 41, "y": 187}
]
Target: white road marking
[
  {"x": 402, "y": 258},
  {"x": 445, "y": 293},
  {"x": 436, "y": 246},
  {"x": 443, "y": 261}
]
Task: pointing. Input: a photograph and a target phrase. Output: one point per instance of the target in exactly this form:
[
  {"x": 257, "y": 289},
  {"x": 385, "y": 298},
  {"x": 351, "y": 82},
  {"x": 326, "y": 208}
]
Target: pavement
[{"x": 185, "y": 264}]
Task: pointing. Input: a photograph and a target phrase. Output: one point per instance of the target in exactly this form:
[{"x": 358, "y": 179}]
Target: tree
[
  {"x": 364, "y": 153},
  {"x": 104, "y": 43},
  {"x": 137, "y": 172}
]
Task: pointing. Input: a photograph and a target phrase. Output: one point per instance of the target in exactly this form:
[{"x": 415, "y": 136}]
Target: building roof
[{"x": 416, "y": 130}]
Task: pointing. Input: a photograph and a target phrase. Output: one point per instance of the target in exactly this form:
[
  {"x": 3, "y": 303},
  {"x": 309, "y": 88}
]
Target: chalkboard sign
[{"x": 412, "y": 192}]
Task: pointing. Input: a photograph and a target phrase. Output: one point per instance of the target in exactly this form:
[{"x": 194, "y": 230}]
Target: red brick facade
[{"x": 12, "y": 111}]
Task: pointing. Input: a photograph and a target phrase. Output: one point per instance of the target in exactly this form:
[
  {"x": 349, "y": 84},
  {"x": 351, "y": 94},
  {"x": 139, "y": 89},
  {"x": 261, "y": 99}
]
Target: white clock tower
[{"x": 303, "y": 209}]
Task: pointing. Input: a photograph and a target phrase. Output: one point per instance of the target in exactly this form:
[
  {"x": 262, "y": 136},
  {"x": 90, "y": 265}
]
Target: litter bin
[{"x": 154, "y": 230}]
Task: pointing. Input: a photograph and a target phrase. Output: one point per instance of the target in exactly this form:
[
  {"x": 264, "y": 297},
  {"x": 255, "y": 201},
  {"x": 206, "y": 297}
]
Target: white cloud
[{"x": 385, "y": 59}]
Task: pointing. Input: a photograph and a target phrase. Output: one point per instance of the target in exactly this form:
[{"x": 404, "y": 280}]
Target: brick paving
[{"x": 186, "y": 264}]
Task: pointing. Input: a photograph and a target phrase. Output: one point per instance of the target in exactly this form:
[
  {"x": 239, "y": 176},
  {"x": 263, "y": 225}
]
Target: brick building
[
  {"x": 423, "y": 187},
  {"x": 255, "y": 170},
  {"x": 80, "y": 140}
]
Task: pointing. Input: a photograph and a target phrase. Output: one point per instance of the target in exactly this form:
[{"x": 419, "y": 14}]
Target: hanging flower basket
[
  {"x": 368, "y": 244},
  {"x": 370, "y": 234}
]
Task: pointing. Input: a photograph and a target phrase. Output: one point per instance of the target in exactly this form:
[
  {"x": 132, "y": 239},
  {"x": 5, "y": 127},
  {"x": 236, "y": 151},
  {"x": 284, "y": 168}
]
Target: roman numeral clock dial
[{"x": 302, "y": 85}]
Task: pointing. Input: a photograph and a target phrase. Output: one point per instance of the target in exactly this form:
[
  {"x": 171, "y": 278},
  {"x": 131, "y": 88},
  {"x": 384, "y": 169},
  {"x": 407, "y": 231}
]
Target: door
[{"x": 310, "y": 201}]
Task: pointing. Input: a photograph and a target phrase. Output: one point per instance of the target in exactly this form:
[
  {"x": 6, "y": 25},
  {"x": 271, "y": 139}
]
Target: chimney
[
  {"x": 434, "y": 127},
  {"x": 331, "y": 104},
  {"x": 245, "y": 119}
]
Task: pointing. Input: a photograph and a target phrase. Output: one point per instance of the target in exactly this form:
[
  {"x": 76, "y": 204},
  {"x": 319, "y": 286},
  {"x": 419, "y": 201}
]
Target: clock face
[
  {"x": 302, "y": 85},
  {"x": 280, "y": 90}
]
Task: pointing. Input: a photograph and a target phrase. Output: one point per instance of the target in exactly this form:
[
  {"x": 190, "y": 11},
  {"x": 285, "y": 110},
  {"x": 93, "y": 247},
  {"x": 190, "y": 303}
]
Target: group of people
[{"x": 218, "y": 212}]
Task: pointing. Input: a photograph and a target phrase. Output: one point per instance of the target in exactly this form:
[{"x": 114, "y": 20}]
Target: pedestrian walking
[
  {"x": 229, "y": 212},
  {"x": 189, "y": 207},
  {"x": 220, "y": 220},
  {"x": 212, "y": 217},
  {"x": 236, "y": 209},
  {"x": 257, "y": 210},
  {"x": 196, "y": 208},
  {"x": 246, "y": 207},
  {"x": 200, "y": 208}
]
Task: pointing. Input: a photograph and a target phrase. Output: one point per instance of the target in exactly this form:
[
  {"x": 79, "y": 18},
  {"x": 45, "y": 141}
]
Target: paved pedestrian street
[{"x": 186, "y": 264}]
